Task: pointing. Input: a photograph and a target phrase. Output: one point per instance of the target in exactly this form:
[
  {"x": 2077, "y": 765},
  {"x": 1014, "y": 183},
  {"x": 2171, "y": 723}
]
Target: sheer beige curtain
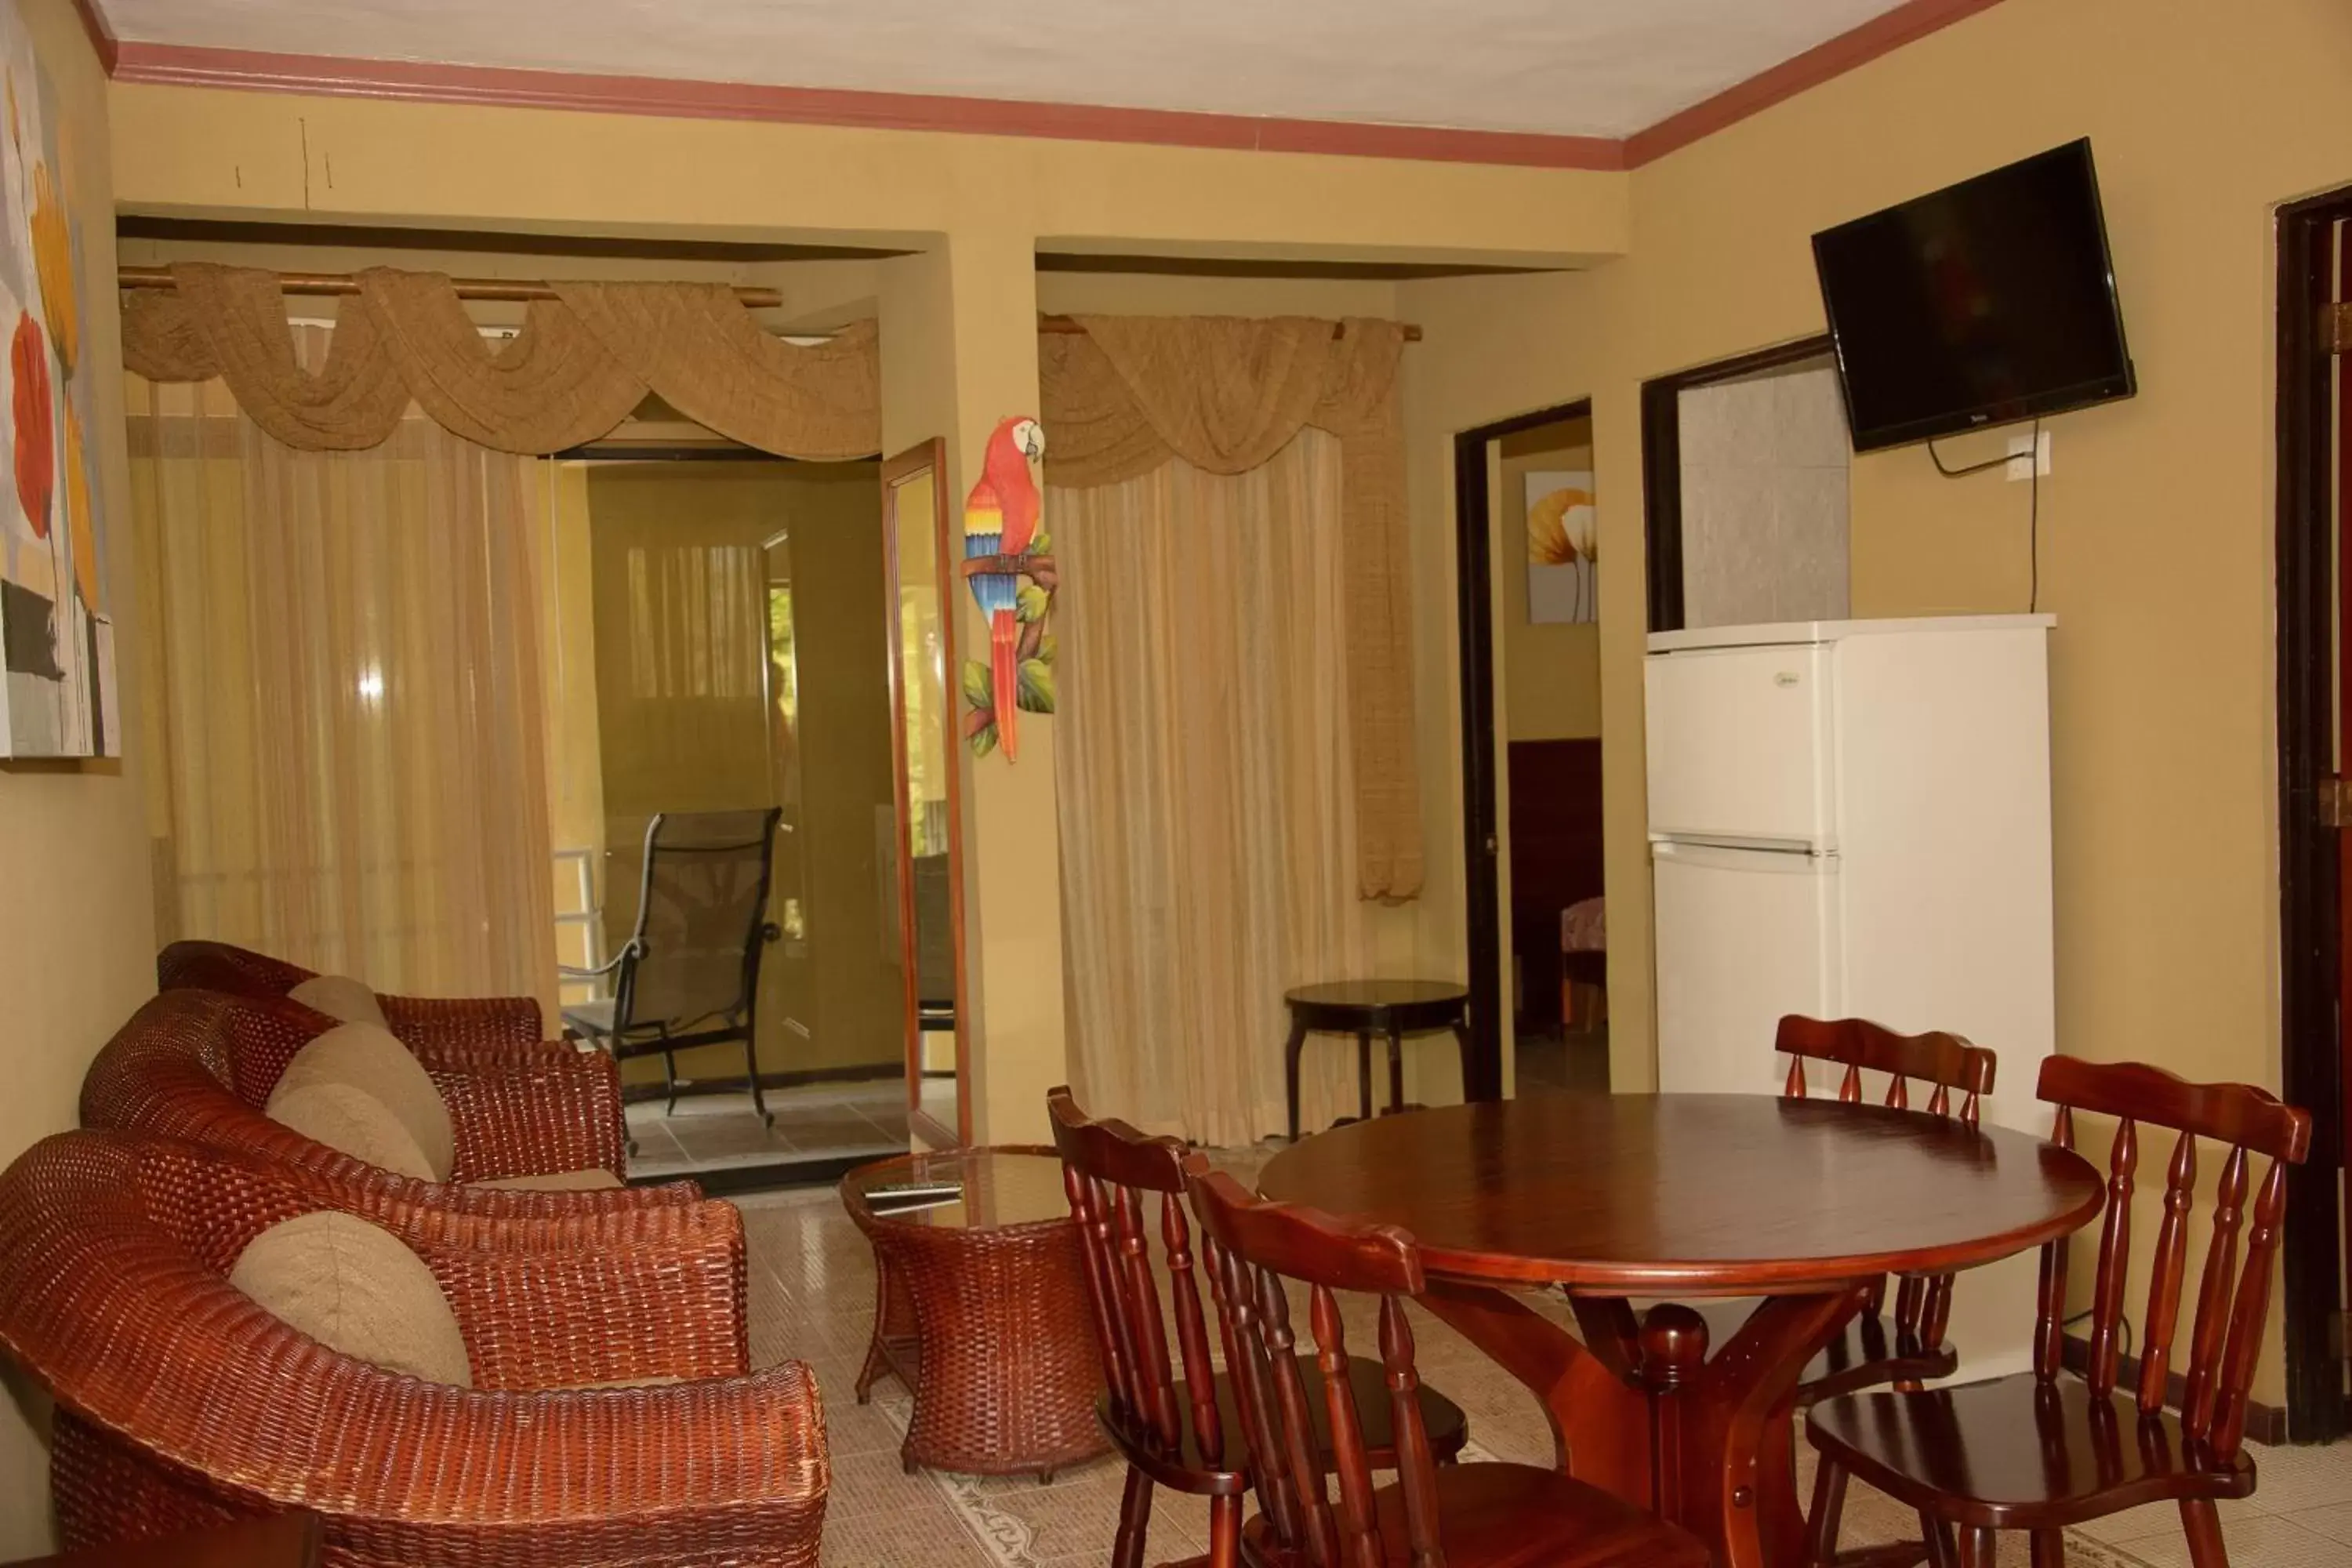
[
  {"x": 343, "y": 696},
  {"x": 1208, "y": 850}
]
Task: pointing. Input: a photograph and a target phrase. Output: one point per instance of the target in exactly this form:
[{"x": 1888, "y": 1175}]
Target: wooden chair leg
[
  {"x": 1829, "y": 1507},
  {"x": 2049, "y": 1549},
  {"x": 1224, "y": 1532},
  {"x": 1942, "y": 1552},
  {"x": 2204, "y": 1523},
  {"x": 1134, "y": 1521},
  {"x": 1979, "y": 1546}
]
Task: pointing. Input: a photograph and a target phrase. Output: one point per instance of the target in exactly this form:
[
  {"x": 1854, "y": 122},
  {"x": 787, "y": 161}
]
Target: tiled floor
[
  {"x": 717, "y": 1131},
  {"x": 812, "y": 1284}
]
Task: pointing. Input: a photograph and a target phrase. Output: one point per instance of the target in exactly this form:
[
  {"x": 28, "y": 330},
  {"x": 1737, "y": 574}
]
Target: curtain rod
[
  {"x": 510, "y": 290},
  {"x": 515, "y": 291},
  {"x": 1070, "y": 324}
]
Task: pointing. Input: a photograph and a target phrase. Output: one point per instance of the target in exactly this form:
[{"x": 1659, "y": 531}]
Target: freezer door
[
  {"x": 1744, "y": 936},
  {"x": 1740, "y": 745}
]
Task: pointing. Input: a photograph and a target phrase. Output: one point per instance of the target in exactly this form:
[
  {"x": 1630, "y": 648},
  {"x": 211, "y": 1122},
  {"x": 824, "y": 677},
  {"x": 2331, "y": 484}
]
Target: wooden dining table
[{"x": 1802, "y": 1203}]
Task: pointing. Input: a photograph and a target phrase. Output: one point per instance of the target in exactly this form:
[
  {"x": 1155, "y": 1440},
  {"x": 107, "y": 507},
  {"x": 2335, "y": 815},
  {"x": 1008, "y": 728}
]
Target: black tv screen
[{"x": 1986, "y": 302}]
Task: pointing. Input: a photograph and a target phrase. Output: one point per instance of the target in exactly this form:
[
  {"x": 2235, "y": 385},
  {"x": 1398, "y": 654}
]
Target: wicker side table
[{"x": 981, "y": 1309}]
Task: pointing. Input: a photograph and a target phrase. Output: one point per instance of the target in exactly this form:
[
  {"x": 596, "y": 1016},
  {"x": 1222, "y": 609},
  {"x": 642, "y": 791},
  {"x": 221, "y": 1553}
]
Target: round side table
[
  {"x": 981, "y": 1309},
  {"x": 1367, "y": 1007}
]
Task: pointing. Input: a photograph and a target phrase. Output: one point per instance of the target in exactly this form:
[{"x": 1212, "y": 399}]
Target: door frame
[
  {"x": 1474, "y": 580},
  {"x": 932, "y": 455},
  {"x": 2310, "y": 881},
  {"x": 1662, "y": 463}
]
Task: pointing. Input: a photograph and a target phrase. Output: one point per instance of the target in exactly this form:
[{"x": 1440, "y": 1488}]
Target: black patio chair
[{"x": 690, "y": 975}]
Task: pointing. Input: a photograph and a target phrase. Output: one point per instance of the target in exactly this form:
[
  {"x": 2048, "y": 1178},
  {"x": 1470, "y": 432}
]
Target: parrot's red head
[{"x": 1018, "y": 442}]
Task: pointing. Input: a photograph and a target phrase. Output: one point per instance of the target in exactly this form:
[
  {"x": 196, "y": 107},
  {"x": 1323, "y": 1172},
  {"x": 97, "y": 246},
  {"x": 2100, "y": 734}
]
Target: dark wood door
[
  {"x": 1555, "y": 861},
  {"x": 2340, "y": 339}
]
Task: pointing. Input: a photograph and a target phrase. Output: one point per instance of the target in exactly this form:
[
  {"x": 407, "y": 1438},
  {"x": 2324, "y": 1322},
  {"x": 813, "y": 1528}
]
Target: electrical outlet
[{"x": 2018, "y": 446}]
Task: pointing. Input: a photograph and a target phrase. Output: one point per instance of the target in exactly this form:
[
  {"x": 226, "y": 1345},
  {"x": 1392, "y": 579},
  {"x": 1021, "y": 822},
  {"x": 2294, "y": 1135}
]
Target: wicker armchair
[
  {"x": 181, "y": 1402},
  {"x": 200, "y": 1065},
  {"x": 419, "y": 1021}
]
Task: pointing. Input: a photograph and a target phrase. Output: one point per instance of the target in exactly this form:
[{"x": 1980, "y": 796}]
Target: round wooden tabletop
[
  {"x": 1657, "y": 1195},
  {"x": 1374, "y": 994}
]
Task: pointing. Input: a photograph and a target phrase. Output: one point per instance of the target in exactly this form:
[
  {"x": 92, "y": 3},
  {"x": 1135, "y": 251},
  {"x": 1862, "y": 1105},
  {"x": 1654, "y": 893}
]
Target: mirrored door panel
[{"x": 927, "y": 844}]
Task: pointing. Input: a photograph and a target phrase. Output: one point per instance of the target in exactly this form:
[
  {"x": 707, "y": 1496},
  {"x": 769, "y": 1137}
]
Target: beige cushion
[
  {"x": 354, "y": 1287},
  {"x": 595, "y": 1179},
  {"x": 352, "y": 1121},
  {"x": 368, "y": 1059},
  {"x": 339, "y": 996}
]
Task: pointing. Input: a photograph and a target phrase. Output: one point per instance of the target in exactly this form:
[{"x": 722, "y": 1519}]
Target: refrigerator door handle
[{"x": 1794, "y": 858}]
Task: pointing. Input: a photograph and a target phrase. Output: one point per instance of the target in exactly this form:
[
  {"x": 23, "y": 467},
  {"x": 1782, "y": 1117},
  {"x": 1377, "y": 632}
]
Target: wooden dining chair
[
  {"x": 1483, "y": 1515},
  {"x": 1183, "y": 1434},
  {"x": 1907, "y": 1347},
  {"x": 2038, "y": 1452}
]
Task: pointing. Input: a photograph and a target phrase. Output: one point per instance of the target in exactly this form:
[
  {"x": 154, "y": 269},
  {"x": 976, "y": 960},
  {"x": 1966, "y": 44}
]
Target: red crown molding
[
  {"x": 414, "y": 81},
  {"x": 1881, "y": 35},
  {"x": 102, "y": 41},
  {"x": 248, "y": 70}
]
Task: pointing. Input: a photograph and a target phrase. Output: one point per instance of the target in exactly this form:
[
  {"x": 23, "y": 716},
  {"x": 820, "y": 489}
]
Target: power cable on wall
[{"x": 2033, "y": 505}]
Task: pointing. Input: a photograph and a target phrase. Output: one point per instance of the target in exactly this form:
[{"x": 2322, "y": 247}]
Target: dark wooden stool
[{"x": 1367, "y": 1007}]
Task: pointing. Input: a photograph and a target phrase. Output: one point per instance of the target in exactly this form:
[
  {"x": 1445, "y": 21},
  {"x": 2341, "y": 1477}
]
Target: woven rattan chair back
[
  {"x": 220, "y": 967},
  {"x": 423, "y": 1023},
  {"x": 181, "y": 1401},
  {"x": 200, "y": 1065}
]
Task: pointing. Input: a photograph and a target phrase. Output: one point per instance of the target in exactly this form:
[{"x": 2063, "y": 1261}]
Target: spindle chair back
[{"x": 2233, "y": 1299}]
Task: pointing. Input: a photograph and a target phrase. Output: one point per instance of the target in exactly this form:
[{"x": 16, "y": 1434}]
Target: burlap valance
[
  {"x": 581, "y": 363},
  {"x": 1226, "y": 394}
]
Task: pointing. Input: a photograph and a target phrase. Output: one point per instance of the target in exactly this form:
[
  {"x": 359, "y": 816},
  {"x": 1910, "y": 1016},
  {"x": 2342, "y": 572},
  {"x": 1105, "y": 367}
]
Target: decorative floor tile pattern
[{"x": 811, "y": 1299}]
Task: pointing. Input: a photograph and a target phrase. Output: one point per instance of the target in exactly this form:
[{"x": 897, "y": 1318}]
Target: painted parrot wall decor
[{"x": 1012, "y": 580}]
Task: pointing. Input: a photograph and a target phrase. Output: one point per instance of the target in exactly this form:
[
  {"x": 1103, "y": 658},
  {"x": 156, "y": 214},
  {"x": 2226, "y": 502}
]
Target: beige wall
[
  {"x": 1550, "y": 671},
  {"x": 78, "y": 928},
  {"x": 2156, "y": 519},
  {"x": 188, "y": 148}
]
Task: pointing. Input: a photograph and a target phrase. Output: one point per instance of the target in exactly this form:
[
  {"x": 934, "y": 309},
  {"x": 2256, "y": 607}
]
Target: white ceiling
[{"x": 1601, "y": 67}]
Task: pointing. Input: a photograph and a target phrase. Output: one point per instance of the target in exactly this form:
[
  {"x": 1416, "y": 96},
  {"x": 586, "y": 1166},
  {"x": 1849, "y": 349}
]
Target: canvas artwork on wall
[
  {"x": 1563, "y": 559},
  {"x": 58, "y": 697}
]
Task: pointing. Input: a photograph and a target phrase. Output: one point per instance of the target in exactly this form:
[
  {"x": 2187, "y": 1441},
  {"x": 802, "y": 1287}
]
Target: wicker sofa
[
  {"x": 181, "y": 1401},
  {"x": 199, "y": 1064},
  {"x": 420, "y": 1021}
]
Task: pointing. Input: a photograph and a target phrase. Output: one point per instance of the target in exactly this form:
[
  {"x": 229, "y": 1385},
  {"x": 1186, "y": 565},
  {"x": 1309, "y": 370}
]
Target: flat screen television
[{"x": 1983, "y": 304}]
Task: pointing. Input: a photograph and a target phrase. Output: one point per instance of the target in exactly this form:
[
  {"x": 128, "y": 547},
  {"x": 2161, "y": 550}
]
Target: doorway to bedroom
[{"x": 1530, "y": 566}]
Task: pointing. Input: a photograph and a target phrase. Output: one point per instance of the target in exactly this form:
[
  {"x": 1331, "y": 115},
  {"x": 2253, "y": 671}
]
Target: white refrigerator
[{"x": 1852, "y": 818}]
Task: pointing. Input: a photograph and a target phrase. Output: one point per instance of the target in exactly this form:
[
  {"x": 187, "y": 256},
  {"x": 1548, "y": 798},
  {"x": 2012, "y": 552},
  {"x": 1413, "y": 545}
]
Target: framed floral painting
[
  {"x": 59, "y": 696},
  {"x": 1563, "y": 552}
]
